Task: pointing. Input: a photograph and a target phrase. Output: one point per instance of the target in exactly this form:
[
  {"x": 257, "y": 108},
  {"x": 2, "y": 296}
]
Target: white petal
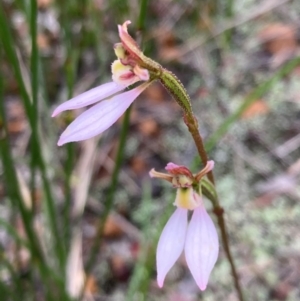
[
  {"x": 171, "y": 244},
  {"x": 89, "y": 97},
  {"x": 201, "y": 246},
  {"x": 100, "y": 117}
]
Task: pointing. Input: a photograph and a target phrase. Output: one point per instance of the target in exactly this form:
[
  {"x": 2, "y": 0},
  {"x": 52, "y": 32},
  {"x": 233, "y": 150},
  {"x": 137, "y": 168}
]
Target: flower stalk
[{"x": 178, "y": 92}]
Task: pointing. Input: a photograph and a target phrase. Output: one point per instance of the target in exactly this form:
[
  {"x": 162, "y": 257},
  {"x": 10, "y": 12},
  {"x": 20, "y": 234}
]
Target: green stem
[
  {"x": 34, "y": 90},
  {"x": 6, "y": 38},
  {"x": 192, "y": 124},
  {"x": 142, "y": 16},
  {"x": 70, "y": 69},
  {"x": 14, "y": 194},
  {"x": 218, "y": 210}
]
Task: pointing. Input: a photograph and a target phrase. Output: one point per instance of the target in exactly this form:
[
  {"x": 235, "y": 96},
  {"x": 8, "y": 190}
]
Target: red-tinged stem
[
  {"x": 178, "y": 92},
  {"x": 192, "y": 125}
]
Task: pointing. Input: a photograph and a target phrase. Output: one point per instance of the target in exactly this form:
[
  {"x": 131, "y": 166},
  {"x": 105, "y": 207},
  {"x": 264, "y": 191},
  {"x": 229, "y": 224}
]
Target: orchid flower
[
  {"x": 198, "y": 238},
  {"x": 113, "y": 101}
]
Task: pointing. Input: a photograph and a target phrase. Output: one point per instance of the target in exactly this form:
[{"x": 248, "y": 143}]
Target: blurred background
[{"x": 82, "y": 221}]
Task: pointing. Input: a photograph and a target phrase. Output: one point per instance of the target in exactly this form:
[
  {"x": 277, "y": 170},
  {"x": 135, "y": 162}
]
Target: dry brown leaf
[
  {"x": 278, "y": 37},
  {"x": 91, "y": 286},
  {"x": 155, "y": 93},
  {"x": 15, "y": 109},
  {"x": 281, "y": 291},
  {"x": 149, "y": 127},
  {"x": 259, "y": 107},
  {"x": 167, "y": 48},
  {"x": 111, "y": 228},
  {"x": 120, "y": 268},
  {"x": 168, "y": 53},
  {"x": 139, "y": 165},
  {"x": 43, "y": 3},
  {"x": 16, "y": 126},
  {"x": 280, "y": 40},
  {"x": 165, "y": 37},
  {"x": 43, "y": 41},
  {"x": 16, "y": 117}
]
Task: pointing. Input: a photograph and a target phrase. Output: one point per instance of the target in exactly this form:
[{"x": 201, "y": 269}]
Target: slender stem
[
  {"x": 192, "y": 125},
  {"x": 7, "y": 42},
  {"x": 69, "y": 72},
  {"x": 34, "y": 91},
  {"x": 219, "y": 212},
  {"x": 142, "y": 16},
  {"x": 179, "y": 93}
]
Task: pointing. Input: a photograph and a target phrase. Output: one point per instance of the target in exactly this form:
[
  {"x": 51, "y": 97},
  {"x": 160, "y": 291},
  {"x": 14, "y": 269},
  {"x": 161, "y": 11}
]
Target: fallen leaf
[
  {"x": 278, "y": 37},
  {"x": 16, "y": 126},
  {"x": 91, "y": 286},
  {"x": 42, "y": 4},
  {"x": 120, "y": 268},
  {"x": 155, "y": 93},
  {"x": 139, "y": 165},
  {"x": 148, "y": 127},
  {"x": 259, "y": 107},
  {"x": 281, "y": 291},
  {"x": 43, "y": 42},
  {"x": 168, "y": 53},
  {"x": 280, "y": 41},
  {"x": 111, "y": 228}
]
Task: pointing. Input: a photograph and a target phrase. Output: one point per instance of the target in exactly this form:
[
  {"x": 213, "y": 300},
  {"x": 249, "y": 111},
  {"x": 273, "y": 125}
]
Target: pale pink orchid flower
[
  {"x": 198, "y": 238},
  {"x": 112, "y": 101}
]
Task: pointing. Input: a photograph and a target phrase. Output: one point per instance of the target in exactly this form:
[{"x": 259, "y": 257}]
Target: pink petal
[
  {"x": 210, "y": 165},
  {"x": 128, "y": 42},
  {"x": 170, "y": 166},
  {"x": 201, "y": 246},
  {"x": 143, "y": 74},
  {"x": 89, "y": 97},
  {"x": 176, "y": 170},
  {"x": 100, "y": 117},
  {"x": 170, "y": 244}
]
